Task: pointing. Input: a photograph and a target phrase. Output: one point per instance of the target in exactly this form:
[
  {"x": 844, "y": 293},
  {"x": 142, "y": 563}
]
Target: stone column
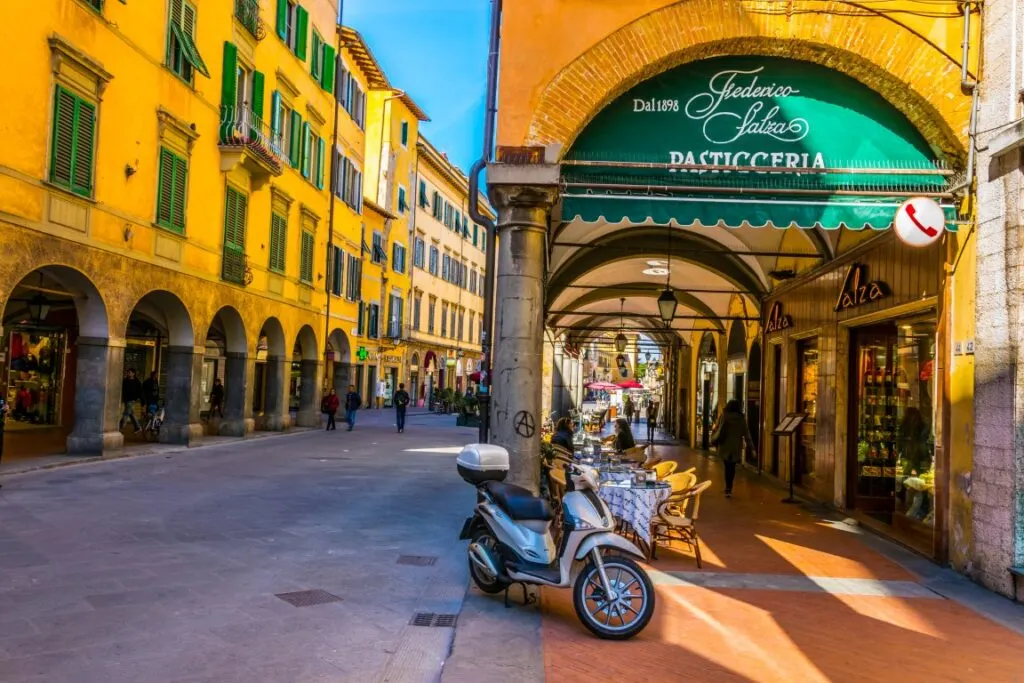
[
  {"x": 342, "y": 377},
  {"x": 97, "y": 397},
  {"x": 238, "y": 388},
  {"x": 309, "y": 391},
  {"x": 523, "y": 196},
  {"x": 558, "y": 381},
  {"x": 181, "y": 410},
  {"x": 275, "y": 408}
]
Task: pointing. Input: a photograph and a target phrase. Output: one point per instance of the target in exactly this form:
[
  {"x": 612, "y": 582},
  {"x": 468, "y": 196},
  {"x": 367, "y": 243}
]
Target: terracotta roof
[
  {"x": 375, "y": 76},
  {"x": 378, "y": 208},
  {"x": 440, "y": 162}
]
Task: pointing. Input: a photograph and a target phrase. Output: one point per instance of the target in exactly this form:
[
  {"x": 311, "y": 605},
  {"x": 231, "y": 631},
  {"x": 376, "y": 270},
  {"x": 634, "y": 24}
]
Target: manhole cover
[
  {"x": 434, "y": 619},
  {"x": 417, "y": 560},
  {"x": 308, "y": 598}
]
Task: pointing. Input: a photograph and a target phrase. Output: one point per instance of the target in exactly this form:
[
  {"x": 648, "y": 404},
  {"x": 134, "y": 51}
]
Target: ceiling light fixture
[
  {"x": 620, "y": 338},
  {"x": 667, "y": 302}
]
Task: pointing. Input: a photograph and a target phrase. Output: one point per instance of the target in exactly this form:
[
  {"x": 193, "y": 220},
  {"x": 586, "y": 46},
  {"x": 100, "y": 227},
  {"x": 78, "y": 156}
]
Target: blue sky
[{"x": 435, "y": 50}]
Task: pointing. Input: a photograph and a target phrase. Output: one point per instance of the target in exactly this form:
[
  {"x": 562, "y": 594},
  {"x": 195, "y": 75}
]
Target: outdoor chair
[
  {"x": 663, "y": 469},
  {"x": 670, "y": 527}
]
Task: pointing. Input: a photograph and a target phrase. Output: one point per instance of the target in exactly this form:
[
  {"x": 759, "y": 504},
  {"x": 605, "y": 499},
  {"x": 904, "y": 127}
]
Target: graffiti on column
[{"x": 526, "y": 426}]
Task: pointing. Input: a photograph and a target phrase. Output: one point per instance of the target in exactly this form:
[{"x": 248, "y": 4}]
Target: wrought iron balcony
[
  {"x": 248, "y": 14},
  {"x": 246, "y": 139},
  {"x": 235, "y": 267}
]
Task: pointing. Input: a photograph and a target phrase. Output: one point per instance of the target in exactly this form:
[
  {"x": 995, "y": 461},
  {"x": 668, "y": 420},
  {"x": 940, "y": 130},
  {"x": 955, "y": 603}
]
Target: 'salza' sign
[
  {"x": 777, "y": 320},
  {"x": 857, "y": 290}
]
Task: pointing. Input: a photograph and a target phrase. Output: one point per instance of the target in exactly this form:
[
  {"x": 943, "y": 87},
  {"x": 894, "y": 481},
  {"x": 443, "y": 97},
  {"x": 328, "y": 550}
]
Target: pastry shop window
[{"x": 34, "y": 374}]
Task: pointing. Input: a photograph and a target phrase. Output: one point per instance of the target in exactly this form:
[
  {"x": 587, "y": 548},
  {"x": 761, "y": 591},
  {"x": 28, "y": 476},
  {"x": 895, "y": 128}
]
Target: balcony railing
[
  {"x": 248, "y": 14},
  {"x": 235, "y": 267},
  {"x": 240, "y": 127}
]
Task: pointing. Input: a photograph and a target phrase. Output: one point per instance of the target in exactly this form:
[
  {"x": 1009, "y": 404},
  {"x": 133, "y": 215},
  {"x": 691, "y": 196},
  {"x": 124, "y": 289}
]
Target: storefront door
[
  {"x": 780, "y": 407},
  {"x": 872, "y": 476},
  {"x": 806, "y": 402}
]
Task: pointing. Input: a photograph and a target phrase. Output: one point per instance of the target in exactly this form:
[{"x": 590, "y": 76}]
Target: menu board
[{"x": 789, "y": 424}]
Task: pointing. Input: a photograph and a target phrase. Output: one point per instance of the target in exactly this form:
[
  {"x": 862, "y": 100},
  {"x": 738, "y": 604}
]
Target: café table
[{"x": 636, "y": 505}]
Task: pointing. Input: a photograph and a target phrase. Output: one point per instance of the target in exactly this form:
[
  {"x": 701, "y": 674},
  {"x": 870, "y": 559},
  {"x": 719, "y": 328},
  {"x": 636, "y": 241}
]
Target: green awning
[
  {"x": 830, "y": 213},
  {"x": 189, "y": 49}
]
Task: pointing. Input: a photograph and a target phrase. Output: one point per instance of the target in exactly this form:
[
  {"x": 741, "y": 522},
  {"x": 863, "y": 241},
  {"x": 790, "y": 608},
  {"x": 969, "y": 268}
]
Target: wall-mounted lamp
[
  {"x": 130, "y": 170},
  {"x": 128, "y": 232}
]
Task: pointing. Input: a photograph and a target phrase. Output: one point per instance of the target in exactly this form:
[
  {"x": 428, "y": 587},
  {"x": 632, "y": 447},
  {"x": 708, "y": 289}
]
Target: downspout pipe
[
  {"x": 483, "y": 387},
  {"x": 968, "y": 85},
  {"x": 331, "y": 188}
]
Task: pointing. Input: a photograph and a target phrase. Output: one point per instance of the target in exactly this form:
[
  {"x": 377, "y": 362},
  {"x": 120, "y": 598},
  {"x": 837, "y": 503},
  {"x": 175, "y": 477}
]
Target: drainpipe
[
  {"x": 968, "y": 86},
  {"x": 330, "y": 194},
  {"x": 483, "y": 388}
]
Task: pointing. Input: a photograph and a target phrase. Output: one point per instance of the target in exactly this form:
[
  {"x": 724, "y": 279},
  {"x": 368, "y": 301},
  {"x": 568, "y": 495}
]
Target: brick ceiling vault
[{"x": 913, "y": 74}]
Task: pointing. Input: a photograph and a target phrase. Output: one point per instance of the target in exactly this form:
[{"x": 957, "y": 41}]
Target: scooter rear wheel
[
  {"x": 482, "y": 581},
  {"x": 629, "y": 610}
]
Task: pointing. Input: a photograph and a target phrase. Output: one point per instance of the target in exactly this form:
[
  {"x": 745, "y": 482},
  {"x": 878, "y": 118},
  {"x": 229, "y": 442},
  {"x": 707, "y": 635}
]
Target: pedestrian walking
[
  {"x": 652, "y": 420},
  {"x": 401, "y": 400},
  {"x": 628, "y": 408},
  {"x": 352, "y": 403},
  {"x": 151, "y": 392},
  {"x": 730, "y": 435},
  {"x": 330, "y": 408},
  {"x": 216, "y": 399},
  {"x": 131, "y": 393}
]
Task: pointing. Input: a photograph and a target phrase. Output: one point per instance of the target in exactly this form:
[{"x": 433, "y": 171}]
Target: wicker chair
[
  {"x": 663, "y": 469},
  {"x": 670, "y": 527}
]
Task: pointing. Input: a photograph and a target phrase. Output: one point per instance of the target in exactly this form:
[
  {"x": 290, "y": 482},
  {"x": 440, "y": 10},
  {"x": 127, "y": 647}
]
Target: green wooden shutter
[
  {"x": 179, "y": 194},
  {"x": 306, "y": 262},
  {"x": 316, "y": 57},
  {"x": 296, "y": 135},
  {"x": 320, "y": 151},
  {"x": 302, "y": 32},
  {"x": 257, "y": 93},
  {"x": 282, "y": 19},
  {"x": 275, "y": 114},
  {"x": 278, "y": 236},
  {"x": 307, "y": 150},
  {"x": 63, "y": 146},
  {"x": 229, "y": 78},
  {"x": 165, "y": 189},
  {"x": 85, "y": 138},
  {"x": 327, "y": 81}
]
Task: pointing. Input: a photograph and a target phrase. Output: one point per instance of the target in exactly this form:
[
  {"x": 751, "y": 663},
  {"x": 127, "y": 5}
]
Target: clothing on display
[{"x": 33, "y": 376}]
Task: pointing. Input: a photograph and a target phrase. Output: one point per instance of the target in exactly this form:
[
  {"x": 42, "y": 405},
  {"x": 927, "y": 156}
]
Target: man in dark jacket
[
  {"x": 330, "y": 407},
  {"x": 131, "y": 393},
  {"x": 730, "y": 436},
  {"x": 401, "y": 400},
  {"x": 352, "y": 403}
]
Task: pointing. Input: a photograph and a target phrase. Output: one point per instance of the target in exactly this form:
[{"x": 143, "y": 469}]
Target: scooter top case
[{"x": 482, "y": 462}]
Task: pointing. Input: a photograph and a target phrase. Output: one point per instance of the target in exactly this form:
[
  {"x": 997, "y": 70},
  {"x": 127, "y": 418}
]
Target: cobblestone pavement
[
  {"x": 164, "y": 568},
  {"x": 792, "y": 593}
]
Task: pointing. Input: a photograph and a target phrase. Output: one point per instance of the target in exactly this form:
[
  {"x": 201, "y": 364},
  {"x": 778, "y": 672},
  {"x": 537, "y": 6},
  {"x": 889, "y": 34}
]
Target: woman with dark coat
[
  {"x": 730, "y": 435},
  {"x": 563, "y": 435},
  {"x": 623, "y": 439}
]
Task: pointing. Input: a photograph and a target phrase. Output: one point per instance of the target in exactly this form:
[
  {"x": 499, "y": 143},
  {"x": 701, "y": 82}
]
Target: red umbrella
[
  {"x": 602, "y": 386},
  {"x": 630, "y": 384}
]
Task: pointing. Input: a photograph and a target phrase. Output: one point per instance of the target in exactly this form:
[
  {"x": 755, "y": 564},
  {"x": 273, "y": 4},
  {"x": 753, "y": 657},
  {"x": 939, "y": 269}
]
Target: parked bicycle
[{"x": 153, "y": 421}]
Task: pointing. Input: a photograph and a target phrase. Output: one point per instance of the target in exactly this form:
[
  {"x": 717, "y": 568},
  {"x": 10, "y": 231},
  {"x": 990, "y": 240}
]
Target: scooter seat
[{"x": 518, "y": 502}]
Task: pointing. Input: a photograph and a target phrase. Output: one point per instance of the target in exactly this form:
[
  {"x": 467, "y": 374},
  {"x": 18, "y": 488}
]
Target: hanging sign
[
  {"x": 857, "y": 290},
  {"x": 919, "y": 221},
  {"x": 777, "y": 320}
]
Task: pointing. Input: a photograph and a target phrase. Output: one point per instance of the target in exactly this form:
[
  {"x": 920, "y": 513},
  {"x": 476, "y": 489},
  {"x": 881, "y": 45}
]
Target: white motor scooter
[{"x": 511, "y": 542}]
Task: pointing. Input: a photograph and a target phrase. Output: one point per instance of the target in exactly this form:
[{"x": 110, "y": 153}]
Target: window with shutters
[
  {"x": 172, "y": 191},
  {"x": 445, "y": 268},
  {"x": 293, "y": 27},
  {"x": 377, "y": 254},
  {"x": 278, "y": 242},
  {"x": 472, "y": 281},
  {"x": 419, "y": 253},
  {"x": 444, "y": 319},
  {"x": 183, "y": 56},
  {"x": 395, "y": 316},
  {"x": 73, "y": 148},
  {"x": 373, "y": 321},
  {"x": 476, "y": 233},
  {"x": 95, "y": 4},
  {"x": 431, "y": 314},
  {"x": 361, "y": 320},
  {"x": 337, "y": 271},
  {"x": 437, "y": 205},
  {"x": 453, "y": 321},
  {"x": 355, "y": 274},
  {"x": 235, "y": 209},
  {"x": 472, "y": 326},
  {"x": 398, "y": 257},
  {"x": 405, "y": 133},
  {"x": 316, "y": 61},
  {"x": 483, "y": 241},
  {"x": 417, "y": 309},
  {"x": 402, "y": 203},
  {"x": 462, "y": 321},
  {"x": 306, "y": 258},
  {"x": 424, "y": 200},
  {"x": 433, "y": 260},
  {"x": 284, "y": 128},
  {"x": 318, "y": 149}
]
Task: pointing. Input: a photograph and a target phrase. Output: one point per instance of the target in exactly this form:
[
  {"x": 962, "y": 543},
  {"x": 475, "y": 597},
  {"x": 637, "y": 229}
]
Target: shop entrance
[
  {"x": 807, "y": 402},
  {"x": 891, "y": 472}
]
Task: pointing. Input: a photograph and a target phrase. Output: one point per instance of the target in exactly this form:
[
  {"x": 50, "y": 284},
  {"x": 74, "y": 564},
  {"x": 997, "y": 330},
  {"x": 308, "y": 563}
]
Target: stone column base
[
  {"x": 308, "y": 418},
  {"x": 277, "y": 423},
  {"x": 94, "y": 444},
  {"x": 184, "y": 435},
  {"x": 236, "y": 427}
]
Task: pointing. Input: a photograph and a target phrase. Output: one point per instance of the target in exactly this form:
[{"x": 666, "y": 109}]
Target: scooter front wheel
[
  {"x": 625, "y": 612},
  {"x": 486, "y": 583}
]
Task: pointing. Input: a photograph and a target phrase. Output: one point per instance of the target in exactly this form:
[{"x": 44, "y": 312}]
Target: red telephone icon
[{"x": 926, "y": 229}]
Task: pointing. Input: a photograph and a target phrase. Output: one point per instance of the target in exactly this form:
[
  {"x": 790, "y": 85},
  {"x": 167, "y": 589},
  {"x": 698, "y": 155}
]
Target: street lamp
[
  {"x": 620, "y": 338},
  {"x": 39, "y": 308},
  {"x": 667, "y": 304}
]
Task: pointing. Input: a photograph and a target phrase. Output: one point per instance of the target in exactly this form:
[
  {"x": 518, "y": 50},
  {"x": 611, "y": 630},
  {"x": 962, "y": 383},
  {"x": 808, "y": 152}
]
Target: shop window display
[{"x": 34, "y": 377}]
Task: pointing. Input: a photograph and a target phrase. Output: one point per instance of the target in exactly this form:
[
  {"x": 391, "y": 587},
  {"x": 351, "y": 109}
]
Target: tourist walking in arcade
[{"x": 730, "y": 436}]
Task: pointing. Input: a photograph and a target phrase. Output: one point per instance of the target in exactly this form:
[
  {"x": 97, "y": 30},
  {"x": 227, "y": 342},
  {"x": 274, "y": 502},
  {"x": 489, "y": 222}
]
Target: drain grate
[
  {"x": 434, "y": 619},
  {"x": 308, "y": 598},
  {"x": 417, "y": 560}
]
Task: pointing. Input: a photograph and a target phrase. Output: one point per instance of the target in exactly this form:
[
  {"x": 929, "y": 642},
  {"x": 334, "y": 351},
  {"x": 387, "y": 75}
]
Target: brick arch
[{"x": 911, "y": 73}]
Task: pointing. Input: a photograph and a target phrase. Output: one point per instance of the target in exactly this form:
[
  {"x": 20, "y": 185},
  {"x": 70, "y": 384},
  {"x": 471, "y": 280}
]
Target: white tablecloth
[{"x": 635, "y": 506}]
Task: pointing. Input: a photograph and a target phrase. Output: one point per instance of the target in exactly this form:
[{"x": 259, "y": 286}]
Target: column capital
[{"x": 529, "y": 187}]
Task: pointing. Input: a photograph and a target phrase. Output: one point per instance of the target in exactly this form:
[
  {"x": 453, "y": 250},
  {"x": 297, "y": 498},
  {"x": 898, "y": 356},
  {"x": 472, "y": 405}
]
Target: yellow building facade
[
  {"x": 648, "y": 125},
  {"x": 449, "y": 267},
  {"x": 166, "y": 188}
]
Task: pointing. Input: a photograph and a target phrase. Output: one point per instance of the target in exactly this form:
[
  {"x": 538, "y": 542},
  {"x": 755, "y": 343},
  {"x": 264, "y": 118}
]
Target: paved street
[{"x": 165, "y": 567}]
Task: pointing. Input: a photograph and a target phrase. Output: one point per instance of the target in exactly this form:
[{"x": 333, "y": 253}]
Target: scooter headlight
[{"x": 580, "y": 524}]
